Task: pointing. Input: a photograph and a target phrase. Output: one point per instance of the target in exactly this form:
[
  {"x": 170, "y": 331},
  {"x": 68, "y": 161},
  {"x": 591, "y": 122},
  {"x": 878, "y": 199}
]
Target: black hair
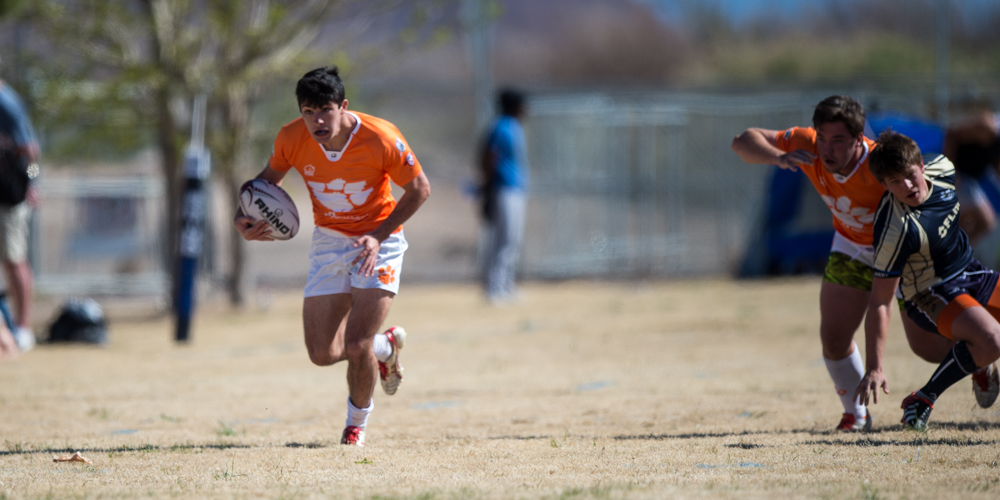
[
  {"x": 840, "y": 108},
  {"x": 510, "y": 102},
  {"x": 320, "y": 87}
]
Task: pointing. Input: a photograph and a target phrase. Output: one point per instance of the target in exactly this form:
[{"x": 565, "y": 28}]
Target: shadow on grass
[
  {"x": 916, "y": 440},
  {"x": 864, "y": 439},
  {"x": 18, "y": 449}
]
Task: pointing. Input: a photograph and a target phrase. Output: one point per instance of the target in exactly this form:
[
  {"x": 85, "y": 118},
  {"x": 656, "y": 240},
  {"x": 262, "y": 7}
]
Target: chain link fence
[{"x": 624, "y": 185}]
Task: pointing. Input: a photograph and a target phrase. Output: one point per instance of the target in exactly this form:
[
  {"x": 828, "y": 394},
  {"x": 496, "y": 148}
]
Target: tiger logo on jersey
[
  {"x": 854, "y": 218},
  {"x": 339, "y": 195}
]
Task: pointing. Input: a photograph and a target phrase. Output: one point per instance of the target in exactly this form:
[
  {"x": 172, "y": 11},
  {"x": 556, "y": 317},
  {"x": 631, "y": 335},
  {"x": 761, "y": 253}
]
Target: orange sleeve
[
  {"x": 796, "y": 138},
  {"x": 399, "y": 162},
  {"x": 282, "y": 150}
]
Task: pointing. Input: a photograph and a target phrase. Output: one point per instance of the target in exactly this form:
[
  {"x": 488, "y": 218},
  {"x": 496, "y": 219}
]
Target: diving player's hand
[
  {"x": 368, "y": 256},
  {"x": 252, "y": 229},
  {"x": 792, "y": 160},
  {"x": 870, "y": 384}
]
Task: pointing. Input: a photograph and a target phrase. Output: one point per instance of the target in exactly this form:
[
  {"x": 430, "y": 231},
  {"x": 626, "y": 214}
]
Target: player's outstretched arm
[
  {"x": 415, "y": 193},
  {"x": 759, "y": 146},
  {"x": 876, "y": 329},
  {"x": 250, "y": 228}
]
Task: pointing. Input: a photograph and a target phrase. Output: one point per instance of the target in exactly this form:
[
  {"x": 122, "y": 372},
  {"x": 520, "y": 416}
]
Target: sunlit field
[{"x": 684, "y": 389}]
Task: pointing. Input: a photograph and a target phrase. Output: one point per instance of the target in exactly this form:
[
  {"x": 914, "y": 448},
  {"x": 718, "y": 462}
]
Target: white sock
[
  {"x": 358, "y": 417},
  {"x": 846, "y": 374},
  {"x": 382, "y": 347}
]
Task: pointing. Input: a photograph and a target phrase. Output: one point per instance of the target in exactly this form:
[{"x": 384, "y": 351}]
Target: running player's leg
[
  {"x": 369, "y": 310},
  {"x": 324, "y": 320},
  {"x": 842, "y": 308},
  {"x": 928, "y": 345},
  {"x": 977, "y": 336},
  {"x": 371, "y": 297},
  {"x": 934, "y": 348},
  {"x": 370, "y": 307},
  {"x": 980, "y": 331}
]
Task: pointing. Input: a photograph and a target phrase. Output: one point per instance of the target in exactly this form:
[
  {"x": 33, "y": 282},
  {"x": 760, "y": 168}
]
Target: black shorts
[{"x": 936, "y": 308}]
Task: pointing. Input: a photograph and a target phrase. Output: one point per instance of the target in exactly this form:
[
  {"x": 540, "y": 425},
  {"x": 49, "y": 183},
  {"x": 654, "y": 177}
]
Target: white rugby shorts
[
  {"x": 331, "y": 271},
  {"x": 864, "y": 254}
]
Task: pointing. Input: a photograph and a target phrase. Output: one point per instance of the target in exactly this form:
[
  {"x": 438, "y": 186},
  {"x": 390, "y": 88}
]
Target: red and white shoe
[
  {"x": 353, "y": 436},
  {"x": 389, "y": 372},
  {"x": 986, "y": 385},
  {"x": 850, "y": 423}
]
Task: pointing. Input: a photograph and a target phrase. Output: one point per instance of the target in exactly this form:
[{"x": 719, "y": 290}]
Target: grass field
[{"x": 699, "y": 389}]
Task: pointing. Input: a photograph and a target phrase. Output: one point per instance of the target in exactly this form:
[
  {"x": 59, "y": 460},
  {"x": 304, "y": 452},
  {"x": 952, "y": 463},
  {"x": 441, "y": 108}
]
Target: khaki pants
[{"x": 14, "y": 233}]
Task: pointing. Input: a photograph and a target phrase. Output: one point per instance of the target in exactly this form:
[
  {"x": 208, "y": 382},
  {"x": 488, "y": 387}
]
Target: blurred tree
[
  {"x": 129, "y": 70},
  {"x": 8, "y": 7}
]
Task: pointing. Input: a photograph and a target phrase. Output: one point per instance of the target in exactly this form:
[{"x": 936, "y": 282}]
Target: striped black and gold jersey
[{"x": 922, "y": 245}]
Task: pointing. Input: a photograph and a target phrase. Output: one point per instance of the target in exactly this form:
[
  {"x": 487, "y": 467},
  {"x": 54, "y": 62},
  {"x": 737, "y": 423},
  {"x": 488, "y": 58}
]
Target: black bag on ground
[
  {"x": 13, "y": 174},
  {"x": 80, "y": 320}
]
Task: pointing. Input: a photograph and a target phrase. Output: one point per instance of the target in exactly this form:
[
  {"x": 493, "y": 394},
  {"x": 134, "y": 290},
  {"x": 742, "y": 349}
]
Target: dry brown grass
[{"x": 586, "y": 390}]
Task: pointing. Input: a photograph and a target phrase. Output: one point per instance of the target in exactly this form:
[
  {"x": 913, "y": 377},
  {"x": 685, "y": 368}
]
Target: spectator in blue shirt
[{"x": 504, "y": 164}]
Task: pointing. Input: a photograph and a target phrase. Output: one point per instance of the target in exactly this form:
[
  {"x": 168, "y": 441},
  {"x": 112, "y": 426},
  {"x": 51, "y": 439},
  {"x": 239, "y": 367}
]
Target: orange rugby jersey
[
  {"x": 853, "y": 200},
  {"x": 350, "y": 190}
]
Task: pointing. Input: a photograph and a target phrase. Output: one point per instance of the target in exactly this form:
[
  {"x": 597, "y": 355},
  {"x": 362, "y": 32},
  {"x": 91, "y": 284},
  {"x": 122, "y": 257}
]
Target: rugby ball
[{"x": 263, "y": 200}]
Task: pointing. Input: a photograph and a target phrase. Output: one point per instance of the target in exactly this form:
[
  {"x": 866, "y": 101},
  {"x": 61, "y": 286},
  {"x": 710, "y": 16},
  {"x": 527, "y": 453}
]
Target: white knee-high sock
[
  {"x": 382, "y": 347},
  {"x": 358, "y": 417},
  {"x": 846, "y": 374}
]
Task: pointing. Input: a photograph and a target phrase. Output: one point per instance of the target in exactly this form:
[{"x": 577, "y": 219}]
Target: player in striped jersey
[
  {"x": 833, "y": 154},
  {"x": 921, "y": 251}
]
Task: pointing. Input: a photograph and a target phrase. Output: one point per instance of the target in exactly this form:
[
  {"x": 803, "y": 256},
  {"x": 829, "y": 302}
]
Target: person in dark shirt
[
  {"x": 921, "y": 251},
  {"x": 16, "y": 132},
  {"x": 973, "y": 145}
]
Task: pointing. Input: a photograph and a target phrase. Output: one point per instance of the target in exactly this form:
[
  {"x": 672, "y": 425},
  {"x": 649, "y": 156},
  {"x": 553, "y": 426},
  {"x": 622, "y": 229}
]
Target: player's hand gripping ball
[{"x": 263, "y": 200}]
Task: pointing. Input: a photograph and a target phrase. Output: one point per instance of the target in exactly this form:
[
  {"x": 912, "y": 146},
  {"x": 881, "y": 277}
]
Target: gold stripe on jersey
[
  {"x": 896, "y": 226},
  {"x": 918, "y": 274},
  {"x": 938, "y": 169}
]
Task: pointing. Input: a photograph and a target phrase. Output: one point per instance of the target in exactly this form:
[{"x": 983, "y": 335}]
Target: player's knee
[
  {"x": 321, "y": 356},
  {"x": 358, "y": 349},
  {"x": 991, "y": 343},
  {"x": 929, "y": 351},
  {"x": 836, "y": 348},
  {"x": 320, "y": 359}
]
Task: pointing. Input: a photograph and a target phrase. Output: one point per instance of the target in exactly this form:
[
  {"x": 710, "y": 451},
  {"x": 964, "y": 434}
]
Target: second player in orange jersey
[{"x": 834, "y": 155}]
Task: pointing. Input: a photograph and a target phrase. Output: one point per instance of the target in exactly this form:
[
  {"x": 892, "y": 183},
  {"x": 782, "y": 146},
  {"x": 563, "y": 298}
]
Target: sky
[{"x": 744, "y": 10}]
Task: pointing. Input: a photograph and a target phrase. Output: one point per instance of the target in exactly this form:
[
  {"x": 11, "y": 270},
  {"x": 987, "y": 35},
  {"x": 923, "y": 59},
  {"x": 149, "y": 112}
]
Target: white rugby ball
[{"x": 263, "y": 200}]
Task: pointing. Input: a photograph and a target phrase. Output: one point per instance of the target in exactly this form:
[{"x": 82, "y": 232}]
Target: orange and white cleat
[{"x": 389, "y": 372}]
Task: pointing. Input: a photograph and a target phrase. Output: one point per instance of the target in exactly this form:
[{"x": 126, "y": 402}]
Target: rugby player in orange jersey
[
  {"x": 834, "y": 155},
  {"x": 347, "y": 160}
]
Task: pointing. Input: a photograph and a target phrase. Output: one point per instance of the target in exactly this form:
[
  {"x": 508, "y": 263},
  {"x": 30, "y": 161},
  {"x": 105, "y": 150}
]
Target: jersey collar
[
  {"x": 864, "y": 156},
  {"x": 336, "y": 155}
]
